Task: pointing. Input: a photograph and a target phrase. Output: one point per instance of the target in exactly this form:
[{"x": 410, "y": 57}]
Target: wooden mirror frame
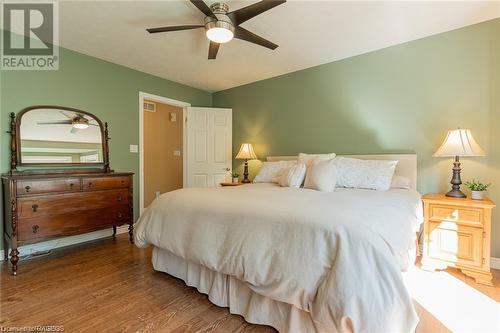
[{"x": 15, "y": 146}]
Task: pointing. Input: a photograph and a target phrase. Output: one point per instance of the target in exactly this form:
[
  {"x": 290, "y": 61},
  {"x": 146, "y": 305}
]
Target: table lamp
[
  {"x": 458, "y": 142},
  {"x": 246, "y": 153}
]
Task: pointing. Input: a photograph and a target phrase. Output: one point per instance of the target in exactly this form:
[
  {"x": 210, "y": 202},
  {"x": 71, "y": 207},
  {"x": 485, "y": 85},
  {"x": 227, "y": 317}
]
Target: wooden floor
[{"x": 110, "y": 286}]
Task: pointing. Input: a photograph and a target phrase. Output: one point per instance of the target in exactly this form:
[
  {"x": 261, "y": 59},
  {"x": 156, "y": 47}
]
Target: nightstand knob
[
  {"x": 27, "y": 188},
  {"x": 35, "y": 228},
  {"x": 34, "y": 207}
]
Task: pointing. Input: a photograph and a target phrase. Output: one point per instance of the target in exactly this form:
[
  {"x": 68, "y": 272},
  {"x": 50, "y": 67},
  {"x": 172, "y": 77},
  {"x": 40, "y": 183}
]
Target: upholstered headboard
[{"x": 406, "y": 167}]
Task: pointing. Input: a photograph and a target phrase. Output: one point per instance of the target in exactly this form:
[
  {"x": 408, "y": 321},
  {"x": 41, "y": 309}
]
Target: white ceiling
[{"x": 309, "y": 33}]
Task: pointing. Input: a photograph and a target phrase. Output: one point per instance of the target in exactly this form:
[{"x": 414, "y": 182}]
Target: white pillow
[
  {"x": 270, "y": 172},
  {"x": 321, "y": 175},
  {"x": 366, "y": 174},
  {"x": 293, "y": 176},
  {"x": 308, "y": 158},
  {"x": 400, "y": 182}
]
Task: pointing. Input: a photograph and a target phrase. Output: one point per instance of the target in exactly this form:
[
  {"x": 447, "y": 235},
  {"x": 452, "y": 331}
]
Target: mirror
[{"x": 59, "y": 135}]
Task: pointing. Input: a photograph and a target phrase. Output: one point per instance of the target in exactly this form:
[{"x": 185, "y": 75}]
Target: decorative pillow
[
  {"x": 366, "y": 174},
  {"x": 270, "y": 172},
  {"x": 400, "y": 182},
  {"x": 308, "y": 158},
  {"x": 293, "y": 176},
  {"x": 321, "y": 175}
]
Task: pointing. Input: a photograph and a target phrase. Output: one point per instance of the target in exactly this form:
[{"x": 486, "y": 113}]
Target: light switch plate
[
  {"x": 134, "y": 148},
  {"x": 177, "y": 153}
]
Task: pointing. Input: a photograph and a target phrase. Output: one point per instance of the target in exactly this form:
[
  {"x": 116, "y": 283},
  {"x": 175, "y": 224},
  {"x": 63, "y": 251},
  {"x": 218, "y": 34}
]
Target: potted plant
[
  {"x": 235, "y": 177},
  {"x": 477, "y": 189}
]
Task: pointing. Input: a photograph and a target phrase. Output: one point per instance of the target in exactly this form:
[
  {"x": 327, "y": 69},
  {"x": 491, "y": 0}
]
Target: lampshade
[
  {"x": 459, "y": 142},
  {"x": 246, "y": 152}
]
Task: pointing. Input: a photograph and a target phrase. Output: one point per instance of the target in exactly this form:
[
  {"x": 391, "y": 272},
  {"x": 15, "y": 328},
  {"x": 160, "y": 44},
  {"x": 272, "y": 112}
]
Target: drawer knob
[
  {"x": 90, "y": 184},
  {"x": 35, "y": 207},
  {"x": 119, "y": 198},
  {"x": 71, "y": 185},
  {"x": 27, "y": 188},
  {"x": 120, "y": 215},
  {"x": 35, "y": 228}
]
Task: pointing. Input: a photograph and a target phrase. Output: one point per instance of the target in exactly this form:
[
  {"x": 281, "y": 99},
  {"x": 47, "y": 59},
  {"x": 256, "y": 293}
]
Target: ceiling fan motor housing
[{"x": 223, "y": 21}]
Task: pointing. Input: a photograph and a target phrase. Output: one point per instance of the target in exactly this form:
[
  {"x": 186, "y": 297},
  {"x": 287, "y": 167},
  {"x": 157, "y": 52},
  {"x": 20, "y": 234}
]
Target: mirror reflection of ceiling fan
[
  {"x": 77, "y": 122},
  {"x": 221, "y": 25}
]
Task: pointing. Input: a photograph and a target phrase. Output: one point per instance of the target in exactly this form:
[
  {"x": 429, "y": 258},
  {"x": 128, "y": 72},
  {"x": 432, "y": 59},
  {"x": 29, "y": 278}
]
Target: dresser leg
[
  {"x": 485, "y": 278},
  {"x": 114, "y": 231},
  {"x": 131, "y": 232},
  {"x": 14, "y": 259}
]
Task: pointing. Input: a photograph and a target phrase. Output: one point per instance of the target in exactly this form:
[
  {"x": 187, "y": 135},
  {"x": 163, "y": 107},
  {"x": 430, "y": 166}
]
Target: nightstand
[{"x": 457, "y": 233}]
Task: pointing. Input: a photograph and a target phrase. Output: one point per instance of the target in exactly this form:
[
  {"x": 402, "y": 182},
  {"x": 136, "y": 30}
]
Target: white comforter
[{"x": 332, "y": 254}]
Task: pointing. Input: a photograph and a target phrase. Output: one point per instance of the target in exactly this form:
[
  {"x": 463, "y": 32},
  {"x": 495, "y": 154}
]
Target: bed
[{"x": 298, "y": 260}]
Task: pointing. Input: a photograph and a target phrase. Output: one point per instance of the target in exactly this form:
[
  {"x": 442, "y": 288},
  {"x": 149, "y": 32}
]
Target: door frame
[{"x": 163, "y": 100}]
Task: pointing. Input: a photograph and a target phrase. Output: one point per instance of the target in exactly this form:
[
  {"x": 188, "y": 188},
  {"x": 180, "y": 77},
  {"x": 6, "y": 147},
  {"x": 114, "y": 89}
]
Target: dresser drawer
[
  {"x": 37, "y": 206},
  {"x": 72, "y": 223},
  {"x": 26, "y": 187},
  {"x": 455, "y": 243},
  {"x": 466, "y": 216},
  {"x": 104, "y": 183}
]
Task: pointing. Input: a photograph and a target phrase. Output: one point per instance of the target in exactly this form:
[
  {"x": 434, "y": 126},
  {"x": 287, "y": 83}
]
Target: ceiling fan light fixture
[
  {"x": 80, "y": 123},
  {"x": 220, "y": 31}
]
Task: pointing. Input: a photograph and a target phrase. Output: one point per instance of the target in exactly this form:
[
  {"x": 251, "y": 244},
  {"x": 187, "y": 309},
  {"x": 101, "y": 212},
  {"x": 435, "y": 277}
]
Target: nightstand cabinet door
[
  {"x": 457, "y": 233},
  {"x": 456, "y": 243}
]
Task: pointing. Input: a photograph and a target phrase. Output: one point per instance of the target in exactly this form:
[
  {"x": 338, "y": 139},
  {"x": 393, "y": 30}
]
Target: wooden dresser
[
  {"x": 39, "y": 207},
  {"x": 457, "y": 233},
  {"x": 79, "y": 195}
]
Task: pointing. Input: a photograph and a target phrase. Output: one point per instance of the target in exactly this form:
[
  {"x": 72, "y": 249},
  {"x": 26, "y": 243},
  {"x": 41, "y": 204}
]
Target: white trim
[
  {"x": 67, "y": 241},
  {"x": 495, "y": 263},
  {"x": 163, "y": 100}
]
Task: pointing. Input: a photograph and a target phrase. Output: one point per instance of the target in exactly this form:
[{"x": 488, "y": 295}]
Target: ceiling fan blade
[
  {"x": 73, "y": 130},
  {"x": 213, "y": 48},
  {"x": 65, "y": 114},
  {"x": 244, "y": 34},
  {"x": 174, "y": 28},
  {"x": 55, "y": 122},
  {"x": 202, "y": 6},
  {"x": 243, "y": 14}
]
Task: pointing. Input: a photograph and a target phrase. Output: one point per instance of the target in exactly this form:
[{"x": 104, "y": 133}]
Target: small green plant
[
  {"x": 474, "y": 185},
  {"x": 235, "y": 175}
]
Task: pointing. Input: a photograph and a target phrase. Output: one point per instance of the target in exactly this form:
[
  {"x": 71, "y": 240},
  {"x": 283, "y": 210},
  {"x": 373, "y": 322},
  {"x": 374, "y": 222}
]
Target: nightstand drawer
[
  {"x": 466, "y": 216},
  {"x": 455, "y": 243}
]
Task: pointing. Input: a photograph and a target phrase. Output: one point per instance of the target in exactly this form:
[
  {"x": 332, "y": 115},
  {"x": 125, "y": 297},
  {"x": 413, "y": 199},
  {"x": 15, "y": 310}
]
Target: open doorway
[
  {"x": 161, "y": 146},
  {"x": 163, "y": 149}
]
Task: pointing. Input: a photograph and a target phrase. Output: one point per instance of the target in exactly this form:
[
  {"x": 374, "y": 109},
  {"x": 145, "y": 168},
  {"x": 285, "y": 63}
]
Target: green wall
[
  {"x": 108, "y": 90},
  {"x": 395, "y": 100}
]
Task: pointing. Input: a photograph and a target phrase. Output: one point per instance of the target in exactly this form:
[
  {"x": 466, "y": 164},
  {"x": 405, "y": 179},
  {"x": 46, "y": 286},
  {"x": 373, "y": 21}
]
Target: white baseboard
[
  {"x": 495, "y": 263},
  {"x": 66, "y": 241}
]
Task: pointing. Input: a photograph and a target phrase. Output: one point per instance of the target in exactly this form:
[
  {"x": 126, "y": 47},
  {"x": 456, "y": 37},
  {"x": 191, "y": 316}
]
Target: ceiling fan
[
  {"x": 221, "y": 25},
  {"x": 77, "y": 122}
]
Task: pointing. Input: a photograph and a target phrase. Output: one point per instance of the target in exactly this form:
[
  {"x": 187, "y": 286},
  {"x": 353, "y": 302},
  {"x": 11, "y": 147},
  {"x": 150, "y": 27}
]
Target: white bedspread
[{"x": 331, "y": 254}]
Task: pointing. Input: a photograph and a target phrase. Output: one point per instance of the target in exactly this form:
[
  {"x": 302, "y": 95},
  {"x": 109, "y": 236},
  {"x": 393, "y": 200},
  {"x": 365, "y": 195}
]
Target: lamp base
[
  {"x": 245, "y": 173},
  {"x": 456, "y": 194},
  {"x": 456, "y": 181}
]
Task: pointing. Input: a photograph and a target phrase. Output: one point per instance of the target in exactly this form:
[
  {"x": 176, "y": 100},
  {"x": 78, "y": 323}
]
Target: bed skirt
[{"x": 227, "y": 291}]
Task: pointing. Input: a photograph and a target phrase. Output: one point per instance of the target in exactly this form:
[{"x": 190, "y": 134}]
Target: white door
[{"x": 209, "y": 145}]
